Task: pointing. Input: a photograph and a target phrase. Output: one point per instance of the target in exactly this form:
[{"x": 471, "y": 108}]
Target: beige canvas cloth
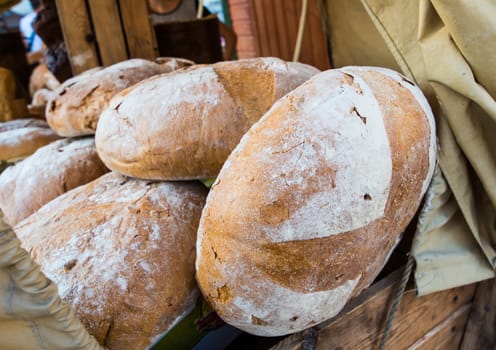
[
  {"x": 32, "y": 315},
  {"x": 448, "y": 47}
]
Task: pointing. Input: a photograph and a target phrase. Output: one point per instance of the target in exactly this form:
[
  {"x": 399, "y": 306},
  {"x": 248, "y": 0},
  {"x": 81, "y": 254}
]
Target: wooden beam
[
  {"x": 446, "y": 335},
  {"x": 360, "y": 324},
  {"x": 140, "y": 35},
  {"x": 108, "y": 31},
  {"x": 481, "y": 326},
  {"x": 78, "y": 35}
]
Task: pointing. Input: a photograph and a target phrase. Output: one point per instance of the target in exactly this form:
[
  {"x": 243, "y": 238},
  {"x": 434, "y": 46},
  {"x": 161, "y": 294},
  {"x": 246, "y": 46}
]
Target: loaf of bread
[
  {"x": 76, "y": 105},
  {"x": 310, "y": 204},
  {"x": 42, "y": 78},
  {"x": 38, "y": 103},
  {"x": 21, "y": 137},
  {"x": 122, "y": 252},
  {"x": 49, "y": 172},
  {"x": 183, "y": 125},
  {"x": 22, "y": 123}
]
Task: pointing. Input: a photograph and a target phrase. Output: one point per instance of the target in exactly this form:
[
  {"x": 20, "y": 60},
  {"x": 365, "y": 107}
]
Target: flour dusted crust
[
  {"x": 75, "y": 106},
  {"x": 22, "y": 123},
  {"x": 309, "y": 205},
  {"x": 49, "y": 172},
  {"x": 121, "y": 251},
  {"x": 18, "y": 142},
  {"x": 183, "y": 125}
]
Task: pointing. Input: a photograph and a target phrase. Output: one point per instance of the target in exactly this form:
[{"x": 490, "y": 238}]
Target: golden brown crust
[
  {"x": 199, "y": 118},
  {"x": 51, "y": 171},
  {"x": 42, "y": 78},
  {"x": 282, "y": 184},
  {"x": 19, "y": 142},
  {"x": 75, "y": 106},
  {"x": 126, "y": 264}
]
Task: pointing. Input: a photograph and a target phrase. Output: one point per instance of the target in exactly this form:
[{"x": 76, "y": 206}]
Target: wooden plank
[
  {"x": 108, "y": 31},
  {"x": 262, "y": 31},
  {"x": 364, "y": 328},
  {"x": 140, "y": 36},
  {"x": 285, "y": 51},
  {"x": 78, "y": 35},
  {"x": 481, "y": 326},
  {"x": 360, "y": 324},
  {"x": 446, "y": 335},
  {"x": 270, "y": 14}
]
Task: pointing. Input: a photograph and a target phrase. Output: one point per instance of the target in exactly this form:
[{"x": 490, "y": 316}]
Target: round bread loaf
[
  {"x": 121, "y": 251},
  {"x": 49, "y": 172},
  {"x": 183, "y": 125},
  {"x": 19, "y": 142},
  {"x": 75, "y": 106},
  {"x": 310, "y": 204}
]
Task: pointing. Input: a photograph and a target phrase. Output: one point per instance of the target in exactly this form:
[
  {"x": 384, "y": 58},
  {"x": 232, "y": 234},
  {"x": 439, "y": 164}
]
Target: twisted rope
[{"x": 397, "y": 300}]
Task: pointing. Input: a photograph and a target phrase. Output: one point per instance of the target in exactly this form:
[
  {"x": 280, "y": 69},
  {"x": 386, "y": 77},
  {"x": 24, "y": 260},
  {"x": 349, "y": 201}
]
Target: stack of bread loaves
[
  {"x": 122, "y": 249},
  {"x": 317, "y": 175},
  {"x": 68, "y": 163}
]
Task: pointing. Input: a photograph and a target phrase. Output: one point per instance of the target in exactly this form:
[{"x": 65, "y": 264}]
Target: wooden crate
[{"x": 103, "y": 32}]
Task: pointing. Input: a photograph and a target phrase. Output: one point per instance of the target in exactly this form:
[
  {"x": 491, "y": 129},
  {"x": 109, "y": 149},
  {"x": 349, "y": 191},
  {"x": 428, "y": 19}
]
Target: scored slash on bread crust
[{"x": 308, "y": 207}]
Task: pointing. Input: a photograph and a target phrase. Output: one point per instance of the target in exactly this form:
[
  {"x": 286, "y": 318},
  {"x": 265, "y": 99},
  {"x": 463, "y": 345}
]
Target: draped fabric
[{"x": 449, "y": 49}]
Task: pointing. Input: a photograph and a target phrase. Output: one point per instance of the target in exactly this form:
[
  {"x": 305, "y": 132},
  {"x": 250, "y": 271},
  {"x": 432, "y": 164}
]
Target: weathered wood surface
[
  {"x": 78, "y": 35},
  {"x": 481, "y": 326},
  {"x": 140, "y": 36},
  {"x": 108, "y": 31}
]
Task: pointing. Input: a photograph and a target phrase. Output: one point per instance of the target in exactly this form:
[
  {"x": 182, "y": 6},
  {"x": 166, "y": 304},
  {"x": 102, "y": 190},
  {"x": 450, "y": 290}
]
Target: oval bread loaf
[
  {"x": 19, "y": 142},
  {"x": 310, "y": 204},
  {"x": 183, "y": 125},
  {"x": 74, "y": 107},
  {"x": 22, "y": 123},
  {"x": 49, "y": 172},
  {"x": 121, "y": 251}
]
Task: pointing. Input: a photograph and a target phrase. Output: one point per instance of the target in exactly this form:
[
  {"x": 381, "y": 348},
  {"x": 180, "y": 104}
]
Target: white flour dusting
[
  {"x": 359, "y": 154},
  {"x": 302, "y": 310},
  {"x": 422, "y": 101}
]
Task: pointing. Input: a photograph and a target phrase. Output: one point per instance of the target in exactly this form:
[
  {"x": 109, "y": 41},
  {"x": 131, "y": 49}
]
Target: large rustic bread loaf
[
  {"x": 121, "y": 251},
  {"x": 75, "y": 106},
  {"x": 21, "y": 137},
  {"x": 183, "y": 125},
  {"x": 49, "y": 172},
  {"x": 310, "y": 204}
]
